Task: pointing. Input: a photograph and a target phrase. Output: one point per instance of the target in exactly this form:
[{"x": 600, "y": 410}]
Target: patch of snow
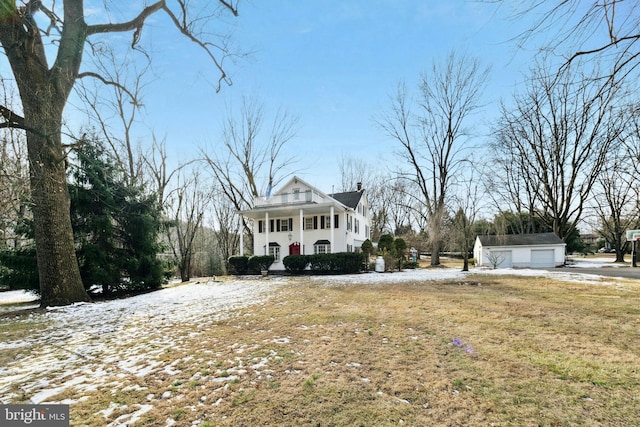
[
  {"x": 17, "y": 297},
  {"x": 440, "y": 274},
  {"x": 225, "y": 379},
  {"x": 43, "y": 395},
  {"x": 599, "y": 262},
  {"x": 130, "y": 419}
]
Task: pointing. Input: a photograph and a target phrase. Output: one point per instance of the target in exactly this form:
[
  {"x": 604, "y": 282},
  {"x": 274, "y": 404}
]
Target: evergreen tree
[
  {"x": 115, "y": 226},
  {"x": 92, "y": 207},
  {"x": 400, "y": 248}
]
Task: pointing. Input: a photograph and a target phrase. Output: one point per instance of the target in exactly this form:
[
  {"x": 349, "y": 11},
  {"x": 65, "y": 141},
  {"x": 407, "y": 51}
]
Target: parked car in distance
[{"x": 606, "y": 251}]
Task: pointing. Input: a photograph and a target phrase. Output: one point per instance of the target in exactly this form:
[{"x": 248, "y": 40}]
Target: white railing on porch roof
[{"x": 293, "y": 198}]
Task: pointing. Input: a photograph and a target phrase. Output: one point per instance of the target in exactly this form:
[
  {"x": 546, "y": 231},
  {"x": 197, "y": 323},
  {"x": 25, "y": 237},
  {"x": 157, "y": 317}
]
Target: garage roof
[{"x": 521, "y": 239}]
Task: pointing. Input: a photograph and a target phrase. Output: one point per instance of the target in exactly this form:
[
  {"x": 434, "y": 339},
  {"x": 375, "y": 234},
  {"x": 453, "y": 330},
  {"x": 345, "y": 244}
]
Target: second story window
[{"x": 308, "y": 223}]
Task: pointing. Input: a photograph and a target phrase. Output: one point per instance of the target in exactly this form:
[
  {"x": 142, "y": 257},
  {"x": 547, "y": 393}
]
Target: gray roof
[
  {"x": 521, "y": 239},
  {"x": 349, "y": 198}
]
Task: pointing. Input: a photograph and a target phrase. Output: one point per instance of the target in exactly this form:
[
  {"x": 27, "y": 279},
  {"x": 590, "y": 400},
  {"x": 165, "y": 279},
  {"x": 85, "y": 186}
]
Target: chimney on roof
[{"x": 359, "y": 186}]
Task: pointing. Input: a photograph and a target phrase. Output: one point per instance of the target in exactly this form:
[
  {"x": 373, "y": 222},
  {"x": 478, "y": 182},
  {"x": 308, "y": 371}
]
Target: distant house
[
  {"x": 300, "y": 219},
  {"x": 538, "y": 250}
]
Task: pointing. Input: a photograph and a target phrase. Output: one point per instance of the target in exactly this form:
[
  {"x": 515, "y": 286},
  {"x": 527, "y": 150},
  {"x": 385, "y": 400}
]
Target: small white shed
[{"x": 539, "y": 250}]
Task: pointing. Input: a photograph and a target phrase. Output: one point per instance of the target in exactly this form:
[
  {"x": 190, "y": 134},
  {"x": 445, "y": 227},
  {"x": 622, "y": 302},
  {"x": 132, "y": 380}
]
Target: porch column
[
  {"x": 301, "y": 231},
  {"x": 331, "y": 224},
  {"x": 266, "y": 233}
]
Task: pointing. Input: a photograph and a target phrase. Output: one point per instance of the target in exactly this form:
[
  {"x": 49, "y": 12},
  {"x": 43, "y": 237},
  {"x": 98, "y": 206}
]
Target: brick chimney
[{"x": 359, "y": 186}]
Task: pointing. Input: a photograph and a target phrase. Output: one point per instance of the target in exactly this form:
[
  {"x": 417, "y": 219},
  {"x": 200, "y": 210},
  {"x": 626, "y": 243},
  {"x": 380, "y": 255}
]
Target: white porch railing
[{"x": 293, "y": 198}]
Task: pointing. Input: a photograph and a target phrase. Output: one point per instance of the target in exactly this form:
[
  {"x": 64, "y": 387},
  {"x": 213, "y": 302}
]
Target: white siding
[
  {"x": 535, "y": 256},
  {"x": 501, "y": 259}
]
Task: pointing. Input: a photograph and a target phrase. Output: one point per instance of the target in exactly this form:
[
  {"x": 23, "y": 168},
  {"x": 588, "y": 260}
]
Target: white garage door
[
  {"x": 542, "y": 258},
  {"x": 501, "y": 259}
]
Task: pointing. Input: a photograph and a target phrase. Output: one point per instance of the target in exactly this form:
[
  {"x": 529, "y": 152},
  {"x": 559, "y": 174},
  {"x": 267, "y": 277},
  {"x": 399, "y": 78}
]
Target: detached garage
[{"x": 540, "y": 250}]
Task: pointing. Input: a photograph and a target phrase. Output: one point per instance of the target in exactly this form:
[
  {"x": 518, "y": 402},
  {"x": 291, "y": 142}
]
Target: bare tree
[
  {"x": 44, "y": 89},
  {"x": 559, "y": 134},
  {"x": 377, "y": 182},
  {"x": 434, "y": 140},
  {"x": 250, "y": 160},
  {"x": 400, "y": 207},
  {"x": 505, "y": 182},
  {"x": 616, "y": 206},
  {"x": 495, "y": 258},
  {"x": 607, "y": 31},
  {"x": 14, "y": 182},
  {"x": 116, "y": 113},
  {"x": 227, "y": 227},
  {"x": 354, "y": 170},
  {"x": 380, "y": 208},
  {"x": 616, "y": 193},
  {"x": 467, "y": 205},
  {"x": 186, "y": 205},
  {"x": 158, "y": 172}
]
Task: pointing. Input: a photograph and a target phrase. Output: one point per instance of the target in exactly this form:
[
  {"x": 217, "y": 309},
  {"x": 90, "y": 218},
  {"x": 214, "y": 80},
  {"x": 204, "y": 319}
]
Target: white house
[
  {"x": 519, "y": 250},
  {"x": 300, "y": 219}
]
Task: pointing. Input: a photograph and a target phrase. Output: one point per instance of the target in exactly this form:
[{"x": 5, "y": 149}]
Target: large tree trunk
[
  {"x": 60, "y": 281},
  {"x": 435, "y": 253},
  {"x": 44, "y": 93}
]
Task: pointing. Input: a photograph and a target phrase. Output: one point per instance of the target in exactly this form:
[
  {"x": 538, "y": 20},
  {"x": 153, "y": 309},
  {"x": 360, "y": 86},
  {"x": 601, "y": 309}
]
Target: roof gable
[
  {"x": 521, "y": 239},
  {"x": 296, "y": 182},
  {"x": 349, "y": 198}
]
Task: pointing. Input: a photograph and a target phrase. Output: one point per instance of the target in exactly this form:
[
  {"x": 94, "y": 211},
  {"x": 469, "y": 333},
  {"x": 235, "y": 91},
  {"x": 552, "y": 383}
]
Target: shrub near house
[
  {"x": 338, "y": 263},
  {"x": 250, "y": 264}
]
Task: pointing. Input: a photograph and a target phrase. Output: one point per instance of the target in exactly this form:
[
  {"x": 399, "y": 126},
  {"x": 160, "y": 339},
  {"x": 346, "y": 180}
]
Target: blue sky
[{"x": 333, "y": 64}]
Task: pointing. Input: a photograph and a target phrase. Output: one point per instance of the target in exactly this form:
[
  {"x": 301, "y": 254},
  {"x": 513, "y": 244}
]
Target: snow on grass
[
  {"x": 109, "y": 345},
  {"x": 595, "y": 262},
  {"x": 440, "y": 274},
  {"x": 17, "y": 297},
  {"x": 89, "y": 345}
]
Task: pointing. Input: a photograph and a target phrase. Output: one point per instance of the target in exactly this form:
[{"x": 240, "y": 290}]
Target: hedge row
[
  {"x": 250, "y": 264},
  {"x": 340, "y": 263}
]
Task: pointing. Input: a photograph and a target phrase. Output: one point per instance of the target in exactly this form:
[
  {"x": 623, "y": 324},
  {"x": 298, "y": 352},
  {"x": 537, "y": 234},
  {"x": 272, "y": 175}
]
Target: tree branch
[
  {"x": 134, "y": 101},
  {"x": 229, "y": 6},
  {"x": 615, "y": 42},
  {"x": 185, "y": 31},
  {"x": 137, "y": 23},
  {"x": 134, "y": 24},
  {"x": 12, "y": 119}
]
